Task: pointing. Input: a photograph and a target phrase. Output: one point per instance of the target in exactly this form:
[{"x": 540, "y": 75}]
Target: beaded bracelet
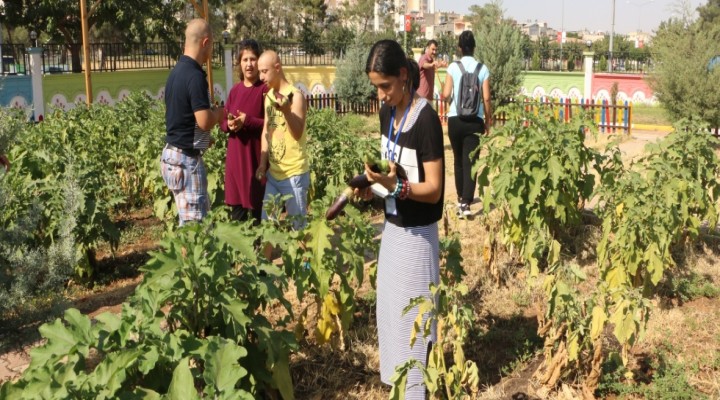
[
  {"x": 405, "y": 193},
  {"x": 398, "y": 188}
]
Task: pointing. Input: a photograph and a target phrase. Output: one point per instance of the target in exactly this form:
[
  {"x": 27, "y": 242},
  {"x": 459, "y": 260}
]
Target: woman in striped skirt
[{"x": 409, "y": 256}]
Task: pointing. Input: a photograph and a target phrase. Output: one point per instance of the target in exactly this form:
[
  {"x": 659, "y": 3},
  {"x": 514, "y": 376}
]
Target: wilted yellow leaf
[{"x": 598, "y": 322}]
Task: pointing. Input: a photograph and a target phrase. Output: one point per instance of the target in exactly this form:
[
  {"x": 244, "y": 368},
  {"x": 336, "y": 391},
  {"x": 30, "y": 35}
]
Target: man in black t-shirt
[{"x": 188, "y": 120}]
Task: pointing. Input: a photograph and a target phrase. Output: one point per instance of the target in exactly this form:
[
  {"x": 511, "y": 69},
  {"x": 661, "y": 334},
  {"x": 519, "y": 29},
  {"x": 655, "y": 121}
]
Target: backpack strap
[
  {"x": 478, "y": 67},
  {"x": 462, "y": 69}
]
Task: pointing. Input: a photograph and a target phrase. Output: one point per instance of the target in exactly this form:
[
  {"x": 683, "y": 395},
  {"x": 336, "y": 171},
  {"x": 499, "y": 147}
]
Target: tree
[
  {"x": 447, "y": 44},
  {"x": 683, "y": 83},
  {"x": 358, "y": 15},
  {"x": 338, "y": 37},
  {"x": 499, "y": 46},
  {"x": 134, "y": 20},
  {"x": 535, "y": 63},
  {"x": 255, "y": 19},
  {"x": 351, "y": 83},
  {"x": 313, "y": 24}
]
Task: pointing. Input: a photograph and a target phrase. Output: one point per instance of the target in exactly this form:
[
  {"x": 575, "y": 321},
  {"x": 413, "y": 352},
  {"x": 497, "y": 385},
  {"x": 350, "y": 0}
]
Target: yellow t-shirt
[{"x": 287, "y": 156}]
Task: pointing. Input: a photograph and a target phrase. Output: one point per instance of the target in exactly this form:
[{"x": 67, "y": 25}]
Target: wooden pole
[
  {"x": 206, "y": 11},
  {"x": 86, "y": 52}
]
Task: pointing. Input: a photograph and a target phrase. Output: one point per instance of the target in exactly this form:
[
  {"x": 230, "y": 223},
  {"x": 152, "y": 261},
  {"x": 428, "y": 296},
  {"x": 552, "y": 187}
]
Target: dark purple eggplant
[
  {"x": 359, "y": 182},
  {"x": 340, "y": 202}
]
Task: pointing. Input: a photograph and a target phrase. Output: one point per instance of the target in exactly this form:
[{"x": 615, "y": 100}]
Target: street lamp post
[
  {"x": 226, "y": 36},
  {"x": 562, "y": 33},
  {"x": 639, "y": 7},
  {"x": 33, "y": 38},
  {"x": 612, "y": 35}
]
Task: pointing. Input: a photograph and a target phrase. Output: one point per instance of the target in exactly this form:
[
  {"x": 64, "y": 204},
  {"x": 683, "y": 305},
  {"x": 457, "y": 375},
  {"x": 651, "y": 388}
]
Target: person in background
[
  {"x": 244, "y": 107},
  {"x": 283, "y": 155},
  {"x": 428, "y": 67},
  {"x": 409, "y": 257},
  {"x": 188, "y": 120},
  {"x": 464, "y": 135}
]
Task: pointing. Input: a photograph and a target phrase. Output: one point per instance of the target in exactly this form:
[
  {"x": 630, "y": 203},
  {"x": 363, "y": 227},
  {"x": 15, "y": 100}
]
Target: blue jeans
[{"x": 297, "y": 186}]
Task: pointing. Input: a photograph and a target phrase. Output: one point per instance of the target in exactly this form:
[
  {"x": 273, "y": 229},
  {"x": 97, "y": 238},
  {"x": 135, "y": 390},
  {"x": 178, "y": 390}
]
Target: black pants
[
  {"x": 464, "y": 140},
  {"x": 239, "y": 213}
]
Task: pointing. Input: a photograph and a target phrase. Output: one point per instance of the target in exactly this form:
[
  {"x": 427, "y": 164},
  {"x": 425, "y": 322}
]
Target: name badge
[{"x": 390, "y": 206}]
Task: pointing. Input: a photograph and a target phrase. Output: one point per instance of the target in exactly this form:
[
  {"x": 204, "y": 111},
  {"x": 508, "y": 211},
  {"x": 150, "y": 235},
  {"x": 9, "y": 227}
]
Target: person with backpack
[{"x": 467, "y": 86}]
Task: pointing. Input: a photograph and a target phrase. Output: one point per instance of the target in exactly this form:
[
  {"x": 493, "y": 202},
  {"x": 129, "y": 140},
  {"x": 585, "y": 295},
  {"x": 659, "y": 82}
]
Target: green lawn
[{"x": 651, "y": 115}]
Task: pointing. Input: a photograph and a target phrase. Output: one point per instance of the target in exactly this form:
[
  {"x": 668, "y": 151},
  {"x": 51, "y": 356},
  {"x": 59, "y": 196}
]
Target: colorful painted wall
[
  {"x": 66, "y": 90},
  {"x": 633, "y": 88},
  {"x": 16, "y": 91}
]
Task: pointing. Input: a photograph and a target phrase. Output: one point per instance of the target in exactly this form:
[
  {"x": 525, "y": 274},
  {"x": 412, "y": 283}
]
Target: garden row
[
  {"x": 199, "y": 323},
  {"x": 538, "y": 175}
]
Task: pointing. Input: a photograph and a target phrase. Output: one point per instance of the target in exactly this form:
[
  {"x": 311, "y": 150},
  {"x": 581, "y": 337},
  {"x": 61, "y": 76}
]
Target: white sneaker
[{"x": 464, "y": 210}]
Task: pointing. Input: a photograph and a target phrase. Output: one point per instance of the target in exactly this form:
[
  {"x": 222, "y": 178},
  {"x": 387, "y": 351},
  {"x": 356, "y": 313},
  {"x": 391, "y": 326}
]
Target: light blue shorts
[{"x": 297, "y": 186}]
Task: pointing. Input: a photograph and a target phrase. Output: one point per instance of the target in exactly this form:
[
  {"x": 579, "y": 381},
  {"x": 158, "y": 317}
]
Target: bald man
[
  {"x": 188, "y": 120},
  {"x": 283, "y": 155}
]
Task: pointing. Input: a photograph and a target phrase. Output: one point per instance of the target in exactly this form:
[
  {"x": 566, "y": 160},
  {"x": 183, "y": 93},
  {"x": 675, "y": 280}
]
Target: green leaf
[
  {"x": 182, "y": 386},
  {"x": 320, "y": 233},
  {"x": 111, "y": 373},
  {"x": 554, "y": 254},
  {"x": 222, "y": 369},
  {"x": 236, "y": 238},
  {"x": 62, "y": 341},
  {"x": 654, "y": 263},
  {"x": 236, "y": 308},
  {"x": 282, "y": 378},
  {"x": 148, "y": 359},
  {"x": 555, "y": 170}
]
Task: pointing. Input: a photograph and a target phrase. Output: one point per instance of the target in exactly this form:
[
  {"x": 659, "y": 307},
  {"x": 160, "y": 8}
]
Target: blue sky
[{"x": 581, "y": 14}]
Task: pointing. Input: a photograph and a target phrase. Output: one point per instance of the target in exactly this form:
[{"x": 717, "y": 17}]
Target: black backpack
[{"x": 470, "y": 97}]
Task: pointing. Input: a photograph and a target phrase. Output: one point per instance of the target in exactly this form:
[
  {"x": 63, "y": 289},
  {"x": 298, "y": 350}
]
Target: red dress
[{"x": 243, "y": 152}]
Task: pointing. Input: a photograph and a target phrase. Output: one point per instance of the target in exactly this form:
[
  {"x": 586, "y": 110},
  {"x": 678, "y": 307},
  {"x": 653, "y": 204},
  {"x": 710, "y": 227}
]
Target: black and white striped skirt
[{"x": 408, "y": 262}]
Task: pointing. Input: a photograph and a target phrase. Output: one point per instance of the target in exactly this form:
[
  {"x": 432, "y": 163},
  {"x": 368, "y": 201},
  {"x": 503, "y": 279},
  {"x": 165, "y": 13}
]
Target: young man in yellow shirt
[{"x": 283, "y": 155}]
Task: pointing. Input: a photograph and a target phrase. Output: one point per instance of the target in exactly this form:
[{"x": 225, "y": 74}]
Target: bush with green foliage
[
  {"x": 535, "y": 62},
  {"x": 602, "y": 64},
  {"x": 684, "y": 83},
  {"x": 336, "y": 146},
  {"x": 499, "y": 45},
  {"x": 351, "y": 83}
]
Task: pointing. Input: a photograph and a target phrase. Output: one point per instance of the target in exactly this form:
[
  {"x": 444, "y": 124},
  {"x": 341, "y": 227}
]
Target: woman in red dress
[{"x": 244, "y": 107}]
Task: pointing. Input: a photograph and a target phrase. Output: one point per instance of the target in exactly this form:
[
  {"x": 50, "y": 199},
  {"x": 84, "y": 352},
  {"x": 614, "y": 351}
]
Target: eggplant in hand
[
  {"x": 340, "y": 202},
  {"x": 382, "y": 166}
]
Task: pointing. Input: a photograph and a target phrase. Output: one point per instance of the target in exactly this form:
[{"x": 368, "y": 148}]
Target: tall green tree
[
  {"x": 709, "y": 14},
  {"x": 133, "y": 20},
  {"x": 499, "y": 46},
  {"x": 682, "y": 80},
  {"x": 359, "y": 15}
]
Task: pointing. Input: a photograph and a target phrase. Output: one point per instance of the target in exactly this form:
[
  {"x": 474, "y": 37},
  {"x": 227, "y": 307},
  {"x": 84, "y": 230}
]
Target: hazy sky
[{"x": 594, "y": 15}]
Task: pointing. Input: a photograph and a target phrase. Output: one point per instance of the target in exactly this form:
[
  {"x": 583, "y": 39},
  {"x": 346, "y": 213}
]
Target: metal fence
[
  {"x": 60, "y": 58},
  {"x": 608, "y": 117},
  {"x": 14, "y": 60},
  {"x": 621, "y": 61}
]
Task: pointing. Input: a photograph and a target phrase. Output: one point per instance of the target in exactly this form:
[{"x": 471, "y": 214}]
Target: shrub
[{"x": 351, "y": 83}]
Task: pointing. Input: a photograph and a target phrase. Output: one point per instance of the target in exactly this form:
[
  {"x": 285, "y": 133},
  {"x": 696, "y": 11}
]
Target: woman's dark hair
[
  {"x": 248, "y": 44},
  {"x": 387, "y": 57},
  {"x": 466, "y": 43}
]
